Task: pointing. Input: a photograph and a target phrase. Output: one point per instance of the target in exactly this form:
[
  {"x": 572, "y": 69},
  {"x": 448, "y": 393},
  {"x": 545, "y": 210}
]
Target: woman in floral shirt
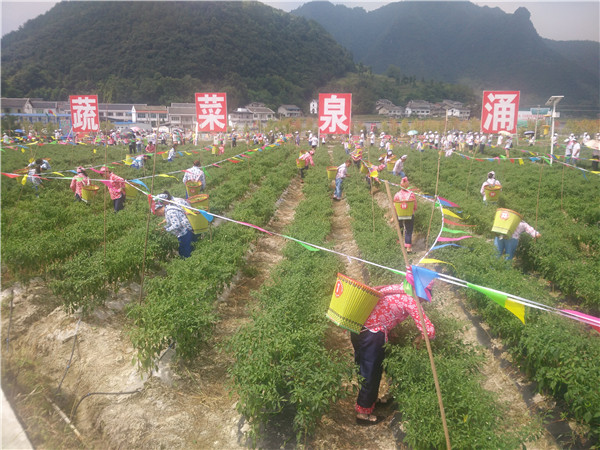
[
  {"x": 195, "y": 173},
  {"x": 116, "y": 188},
  {"x": 393, "y": 308},
  {"x": 78, "y": 181}
]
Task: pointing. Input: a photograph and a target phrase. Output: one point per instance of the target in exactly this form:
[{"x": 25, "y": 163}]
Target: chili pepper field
[{"x": 231, "y": 348}]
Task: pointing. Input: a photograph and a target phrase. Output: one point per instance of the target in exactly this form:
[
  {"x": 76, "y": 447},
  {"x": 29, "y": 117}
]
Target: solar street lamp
[{"x": 553, "y": 101}]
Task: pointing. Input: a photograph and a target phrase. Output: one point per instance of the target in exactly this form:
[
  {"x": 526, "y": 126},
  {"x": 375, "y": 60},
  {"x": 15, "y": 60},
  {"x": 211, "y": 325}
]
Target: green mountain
[
  {"x": 161, "y": 52},
  {"x": 459, "y": 42}
]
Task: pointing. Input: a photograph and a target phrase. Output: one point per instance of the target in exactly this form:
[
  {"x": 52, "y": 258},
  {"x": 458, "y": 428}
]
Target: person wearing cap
[
  {"x": 399, "y": 167},
  {"x": 575, "y": 152},
  {"x": 314, "y": 141},
  {"x": 491, "y": 181},
  {"x": 389, "y": 156},
  {"x": 171, "y": 154},
  {"x": 308, "y": 158},
  {"x": 78, "y": 182},
  {"x": 396, "y": 305},
  {"x": 116, "y": 188},
  {"x": 408, "y": 224},
  {"x": 342, "y": 173},
  {"x": 507, "y": 245},
  {"x": 482, "y": 142},
  {"x": 195, "y": 174},
  {"x": 508, "y": 145},
  {"x": 175, "y": 220},
  {"x": 569, "y": 148},
  {"x": 297, "y": 139}
]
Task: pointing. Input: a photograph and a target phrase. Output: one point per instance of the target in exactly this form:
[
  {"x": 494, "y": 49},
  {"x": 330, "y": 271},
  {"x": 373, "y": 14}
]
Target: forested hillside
[
  {"x": 460, "y": 42},
  {"x": 162, "y": 52}
]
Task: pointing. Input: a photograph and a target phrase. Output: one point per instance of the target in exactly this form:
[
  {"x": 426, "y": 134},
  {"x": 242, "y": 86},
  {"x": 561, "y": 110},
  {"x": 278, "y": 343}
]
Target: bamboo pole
[
  {"x": 537, "y": 206},
  {"x": 421, "y": 319},
  {"x": 148, "y": 217},
  {"x": 437, "y": 180}
]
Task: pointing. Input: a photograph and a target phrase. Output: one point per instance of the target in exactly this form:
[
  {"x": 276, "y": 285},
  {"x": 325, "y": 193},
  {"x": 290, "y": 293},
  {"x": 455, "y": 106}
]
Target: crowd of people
[{"x": 397, "y": 301}]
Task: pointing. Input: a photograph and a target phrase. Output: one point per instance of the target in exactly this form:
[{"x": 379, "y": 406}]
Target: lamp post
[{"x": 553, "y": 101}]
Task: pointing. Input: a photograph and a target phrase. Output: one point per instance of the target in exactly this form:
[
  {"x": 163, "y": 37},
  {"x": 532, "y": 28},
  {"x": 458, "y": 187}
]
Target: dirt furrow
[{"x": 175, "y": 407}]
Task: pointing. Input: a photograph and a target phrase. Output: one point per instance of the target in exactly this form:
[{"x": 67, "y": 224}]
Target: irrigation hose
[
  {"x": 101, "y": 393},
  {"x": 70, "y": 359},
  {"x": 8, "y": 328}
]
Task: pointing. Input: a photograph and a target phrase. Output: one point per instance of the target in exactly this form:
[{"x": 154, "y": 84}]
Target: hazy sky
[{"x": 558, "y": 20}]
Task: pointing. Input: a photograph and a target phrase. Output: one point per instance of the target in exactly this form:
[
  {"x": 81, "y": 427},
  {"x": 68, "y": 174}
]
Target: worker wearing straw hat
[
  {"x": 395, "y": 306},
  {"x": 78, "y": 181},
  {"x": 116, "y": 188}
]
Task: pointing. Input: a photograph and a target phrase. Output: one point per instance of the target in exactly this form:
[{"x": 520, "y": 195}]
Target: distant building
[
  {"x": 382, "y": 102},
  {"x": 314, "y": 106},
  {"x": 419, "y": 108},
  {"x": 260, "y": 112},
  {"x": 461, "y": 113},
  {"x": 289, "y": 111},
  {"x": 182, "y": 115},
  {"x": 153, "y": 115},
  {"x": 32, "y": 110},
  {"x": 391, "y": 111},
  {"x": 241, "y": 118}
]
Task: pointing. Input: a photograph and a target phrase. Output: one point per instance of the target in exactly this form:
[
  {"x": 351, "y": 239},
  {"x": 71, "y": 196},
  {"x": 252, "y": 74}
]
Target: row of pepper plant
[
  {"x": 559, "y": 355},
  {"x": 282, "y": 360},
  {"x": 180, "y": 306},
  {"x": 475, "y": 418}
]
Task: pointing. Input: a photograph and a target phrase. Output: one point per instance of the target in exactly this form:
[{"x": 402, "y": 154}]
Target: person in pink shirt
[
  {"x": 308, "y": 157},
  {"x": 116, "y": 188},
  {"x": 78, "y": 181},
  {"x": 408, "y": 223},
  {"x": 507, "y": 245},
  {"x": 394, "y": 307}
]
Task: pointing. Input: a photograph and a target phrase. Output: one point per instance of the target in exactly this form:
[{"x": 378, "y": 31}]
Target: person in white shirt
[
  {"x": 569, "y": 149},
  {"x": 314, "y": 141},
  {"x": 339, "y": 179},
  {"x": 172, "y": 152},
  {"x": 482, "y": 142},
  {"x": 399, "y": 167},
  {"x": 491, "y": 181},
  {"x": 575, "y": 151}
]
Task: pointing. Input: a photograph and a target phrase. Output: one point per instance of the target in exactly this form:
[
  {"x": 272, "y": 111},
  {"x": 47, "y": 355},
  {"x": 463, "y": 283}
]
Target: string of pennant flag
[{"x": 422, "y": 276}]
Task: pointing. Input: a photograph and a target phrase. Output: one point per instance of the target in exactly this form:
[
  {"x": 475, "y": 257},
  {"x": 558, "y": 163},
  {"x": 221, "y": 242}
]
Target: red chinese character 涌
[{"x": 499, "y": 111}]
